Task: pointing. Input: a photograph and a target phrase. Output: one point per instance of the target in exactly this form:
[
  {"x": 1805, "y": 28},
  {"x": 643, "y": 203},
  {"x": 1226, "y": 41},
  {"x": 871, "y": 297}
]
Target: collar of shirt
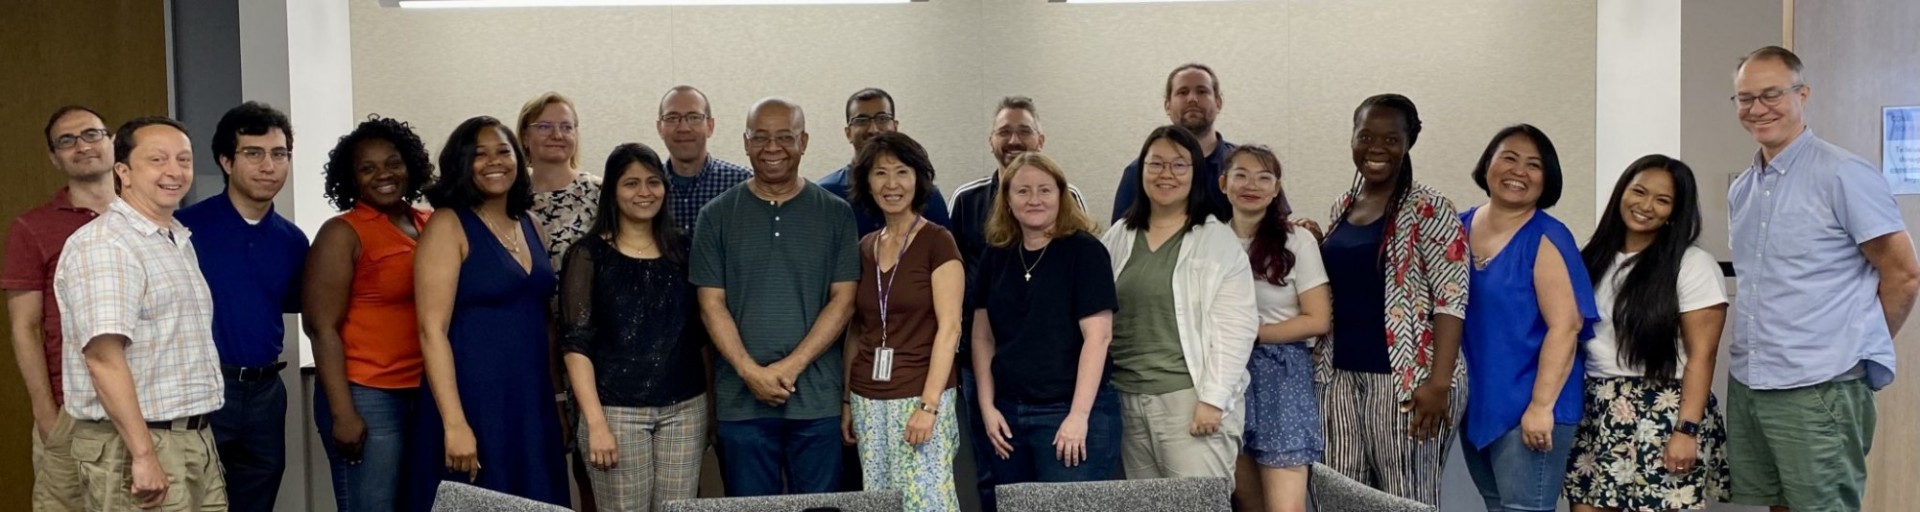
[
  {"x": 1787, "y": 157},
  {"x": 62, "y": 200},
  {"x": 145, "y": 227}
]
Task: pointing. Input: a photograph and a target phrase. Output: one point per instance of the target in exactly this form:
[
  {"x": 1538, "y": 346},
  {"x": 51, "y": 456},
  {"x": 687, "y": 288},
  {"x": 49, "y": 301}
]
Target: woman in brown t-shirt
[{"x": 906, "y": 328}]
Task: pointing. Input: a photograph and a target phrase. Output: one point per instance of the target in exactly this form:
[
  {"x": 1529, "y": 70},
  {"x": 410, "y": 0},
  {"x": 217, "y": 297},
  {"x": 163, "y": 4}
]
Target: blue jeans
[
  {"x": 975, "y": 434},
  {"x": 251, "y": 434},
  {"x": 769, "y": 456},
  {"x": 1034, "y": 425},
  {"x": 1514, "y": 478},
  {"x": 374, "y": 483}
]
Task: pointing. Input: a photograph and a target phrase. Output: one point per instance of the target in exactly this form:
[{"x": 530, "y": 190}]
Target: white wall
[
  {"x": 1291, "y": 71},
  {"x": 1638, "y": 84}
]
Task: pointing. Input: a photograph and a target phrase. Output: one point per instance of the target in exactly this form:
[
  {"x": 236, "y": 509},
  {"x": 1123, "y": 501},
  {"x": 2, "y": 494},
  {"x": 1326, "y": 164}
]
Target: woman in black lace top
[{"x": 632, "y": 338}]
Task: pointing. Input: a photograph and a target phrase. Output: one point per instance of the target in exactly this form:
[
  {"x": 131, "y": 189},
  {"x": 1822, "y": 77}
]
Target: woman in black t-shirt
[{"x": 1043, "y": 318}]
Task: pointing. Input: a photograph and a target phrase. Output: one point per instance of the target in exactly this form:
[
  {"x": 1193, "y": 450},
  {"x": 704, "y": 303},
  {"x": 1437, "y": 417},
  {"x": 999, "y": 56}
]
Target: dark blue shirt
[
  {"x": 1205, "y": 174},
  {"x": 253, "y": 271},
  {"x": 840, "y": 184},
  {"x": 1359, "y": 285}
]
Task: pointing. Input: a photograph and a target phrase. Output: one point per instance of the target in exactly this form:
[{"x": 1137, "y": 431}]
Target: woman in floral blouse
[
  {"x": 1390, "y": 383},
  {"x": 563, "y": 197}
]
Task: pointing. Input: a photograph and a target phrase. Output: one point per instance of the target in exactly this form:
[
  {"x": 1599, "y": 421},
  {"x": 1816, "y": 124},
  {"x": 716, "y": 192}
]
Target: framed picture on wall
[{"x": 1900, "y": 148}]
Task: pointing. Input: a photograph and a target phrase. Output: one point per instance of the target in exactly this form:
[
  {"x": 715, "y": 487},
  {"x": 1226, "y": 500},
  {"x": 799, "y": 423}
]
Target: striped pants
[
  {"x": 660, "y": 450},
  {"x": 1367, "y": 436}
]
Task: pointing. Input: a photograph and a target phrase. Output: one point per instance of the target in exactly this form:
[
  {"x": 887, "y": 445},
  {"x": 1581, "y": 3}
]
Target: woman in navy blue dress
[{"x": 482, "y": 280}]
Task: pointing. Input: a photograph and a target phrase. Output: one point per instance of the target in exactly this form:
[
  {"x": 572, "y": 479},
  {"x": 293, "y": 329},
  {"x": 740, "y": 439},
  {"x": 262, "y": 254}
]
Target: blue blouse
[{"x": 1504, "y": 331}]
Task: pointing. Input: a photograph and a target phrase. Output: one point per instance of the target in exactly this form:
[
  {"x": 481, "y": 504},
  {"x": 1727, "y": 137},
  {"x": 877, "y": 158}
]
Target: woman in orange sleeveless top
[{"x": 359, "y": 309}]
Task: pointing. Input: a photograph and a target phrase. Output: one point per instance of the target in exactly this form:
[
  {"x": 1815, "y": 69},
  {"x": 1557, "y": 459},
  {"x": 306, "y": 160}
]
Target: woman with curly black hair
[{"x": 359, "y": 309}]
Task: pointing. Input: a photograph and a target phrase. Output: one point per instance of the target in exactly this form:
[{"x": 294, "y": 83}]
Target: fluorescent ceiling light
[
  {"x": 1127, "y": 1},
  {"x": 476, "y": 4}
]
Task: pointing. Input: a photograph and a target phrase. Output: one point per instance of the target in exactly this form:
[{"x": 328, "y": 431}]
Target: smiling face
[
  {"x": 684, "y": 125},
  {"x": 1014, "y": 131},
  {"x": 494, "y": 163},
  {"x": 1380, "y": 144},
  {"x": 1516, "y": 175},
  {"x": 1168, "y": 175},
  {"x": 1193, "y": 102},
  {"x": 1772, "y": 122},
  {"x": 891, "y": 183},
  {"x": 158, "y": 171},
  {"x": 380, "y": 173},
  {"x": 1249, "y": 185},
  {"x": 83, "y": 161},
  {"x": 641, "y": 192},
  {"x": 1648, "y": 201},
  {"x": 553, "y": 137},
  {"x": 775, "y": 141},
  {"x": 1034, "y": 198}
]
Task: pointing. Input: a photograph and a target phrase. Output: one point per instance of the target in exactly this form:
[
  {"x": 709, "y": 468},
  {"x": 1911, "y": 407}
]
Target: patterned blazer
[{"x": 1426, "y": 269}]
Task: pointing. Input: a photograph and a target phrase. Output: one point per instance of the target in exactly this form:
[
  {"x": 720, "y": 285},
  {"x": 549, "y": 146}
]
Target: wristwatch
[
  {"x": 929, "y": 408},
  {"x": 1687, "y": 427}
]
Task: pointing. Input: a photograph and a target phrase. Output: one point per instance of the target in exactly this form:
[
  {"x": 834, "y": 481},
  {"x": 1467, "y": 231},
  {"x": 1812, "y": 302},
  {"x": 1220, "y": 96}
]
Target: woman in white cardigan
[{"x": 1186, "y": 323}]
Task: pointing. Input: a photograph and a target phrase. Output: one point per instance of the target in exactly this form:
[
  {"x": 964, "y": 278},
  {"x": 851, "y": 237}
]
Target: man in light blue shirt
[{"x": 1826, "y": 276}]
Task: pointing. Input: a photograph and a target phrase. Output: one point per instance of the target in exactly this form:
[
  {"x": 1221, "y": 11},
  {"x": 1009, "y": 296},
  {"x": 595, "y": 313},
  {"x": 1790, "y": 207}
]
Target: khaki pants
[
  {"x": 194, "y": 478},
  {"x": 1156, "y": 443},
  {"x": 56, "y": 477}
]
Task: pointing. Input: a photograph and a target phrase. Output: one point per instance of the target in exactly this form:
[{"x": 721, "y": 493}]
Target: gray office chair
[
  {"x": 1154, "y": 495},
  {"x": 1334, "y": 492},
  {"x": 459, "y": 497},
  {"x": 866, "y": 501}
]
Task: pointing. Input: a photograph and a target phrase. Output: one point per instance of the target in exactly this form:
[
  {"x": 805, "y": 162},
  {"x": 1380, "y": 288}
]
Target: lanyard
[{"x": 886, "y": 290}]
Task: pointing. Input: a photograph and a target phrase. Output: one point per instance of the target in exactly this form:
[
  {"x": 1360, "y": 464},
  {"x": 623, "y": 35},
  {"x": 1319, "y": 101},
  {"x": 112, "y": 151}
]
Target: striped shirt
[{"x": 124, "y": 275}]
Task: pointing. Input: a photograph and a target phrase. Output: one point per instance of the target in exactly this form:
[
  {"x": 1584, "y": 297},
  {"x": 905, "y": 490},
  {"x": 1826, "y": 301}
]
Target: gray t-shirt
[{"x": 777, "y": 265}]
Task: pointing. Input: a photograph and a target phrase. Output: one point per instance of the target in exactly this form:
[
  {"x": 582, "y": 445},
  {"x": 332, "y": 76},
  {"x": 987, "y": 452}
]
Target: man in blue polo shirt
[
  {"x": 869, "y": 113},
  {"x": 252, "y": 259},
  {"x": 1192, "y": 100}
]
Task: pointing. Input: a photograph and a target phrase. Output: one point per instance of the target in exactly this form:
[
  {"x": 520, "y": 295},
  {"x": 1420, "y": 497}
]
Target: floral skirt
[{"x": 1618, "y": 457}]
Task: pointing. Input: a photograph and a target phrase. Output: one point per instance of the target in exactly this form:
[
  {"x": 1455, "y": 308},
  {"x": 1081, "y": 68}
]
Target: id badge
[{"x": 883, "y": 364}]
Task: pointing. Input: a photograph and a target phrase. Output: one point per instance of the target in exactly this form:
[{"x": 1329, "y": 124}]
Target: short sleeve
[
  {"x": 1308, "y": 271},
  {"x": 1701, "y": 285},
  {"x": 1093, "y": 279},
  {"x": 846, "y": 234},
  {"x": 1443, "y": 248},
  {"x": 1864, "y": 203},
  {"x": 25, "y": 261},
  {"x": 942, "y": 250},
  {"x": 99, "y": 289},
  {"x": 576, "y": 299},
  {"x": 707, "y": 261}
]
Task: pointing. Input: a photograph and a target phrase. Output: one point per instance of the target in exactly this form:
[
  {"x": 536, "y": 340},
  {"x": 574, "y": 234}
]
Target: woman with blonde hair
[{"x": 1043, "y": 315}]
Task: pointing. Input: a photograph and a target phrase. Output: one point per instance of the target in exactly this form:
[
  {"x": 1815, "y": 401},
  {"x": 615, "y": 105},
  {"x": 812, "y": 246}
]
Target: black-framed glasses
[
  {"x": 785, "y": 140},
  {"x": 90, "y": 135},
  {"x": 256, "y": 155},
  {"x": 864, "y": 121},
  {"x": 1769, "y": 98},
  {"x": 675, "y": 119}
]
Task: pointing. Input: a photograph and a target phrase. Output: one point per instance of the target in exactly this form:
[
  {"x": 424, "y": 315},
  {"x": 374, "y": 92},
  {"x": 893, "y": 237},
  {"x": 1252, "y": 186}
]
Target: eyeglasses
[
  {"x": 546, "y": 128},
  {"x": 1769, "y": 98},
  {"x": 90, "y": 135},
  {"x": 676, "y": 119},
  {"x": 254, "y": 155},
  {"x": 865, "y": 121},
  {"x": 785, "y": 140},
  {"x": 1179, "y": 168}
]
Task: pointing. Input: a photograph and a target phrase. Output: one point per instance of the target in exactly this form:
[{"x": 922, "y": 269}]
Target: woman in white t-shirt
[
  {"x": 1652, "y": 437},
  {"x": 1283, "y": 434}
]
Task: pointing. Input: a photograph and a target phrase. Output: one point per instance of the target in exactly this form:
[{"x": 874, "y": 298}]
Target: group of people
[{"x": 635, "y": 315}]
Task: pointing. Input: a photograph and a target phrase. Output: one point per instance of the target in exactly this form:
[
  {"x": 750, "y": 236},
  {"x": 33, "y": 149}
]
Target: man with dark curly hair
[{"x": 252, "y": 259}]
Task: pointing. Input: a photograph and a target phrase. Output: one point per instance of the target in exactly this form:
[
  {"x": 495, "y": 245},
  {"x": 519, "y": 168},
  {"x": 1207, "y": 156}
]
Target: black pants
[{"x": 251, "y": 431}]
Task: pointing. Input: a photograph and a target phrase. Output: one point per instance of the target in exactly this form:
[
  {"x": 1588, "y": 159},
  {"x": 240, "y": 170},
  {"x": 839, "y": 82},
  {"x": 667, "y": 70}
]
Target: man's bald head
[{"x": 776, "y": 107}]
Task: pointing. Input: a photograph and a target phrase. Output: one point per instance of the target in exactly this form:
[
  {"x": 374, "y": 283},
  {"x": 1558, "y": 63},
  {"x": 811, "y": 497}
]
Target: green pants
[{"x": 1803, "y": 448}]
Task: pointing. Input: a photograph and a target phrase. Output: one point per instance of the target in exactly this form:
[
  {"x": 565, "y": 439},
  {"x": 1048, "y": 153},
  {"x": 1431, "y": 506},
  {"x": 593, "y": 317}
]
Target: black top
[
  {"x": 972, "y": 205},
  {"x": 637, "y": 320},
  {"x": 1036, "y": 324},
  {"x": 1352, "y": 257}
]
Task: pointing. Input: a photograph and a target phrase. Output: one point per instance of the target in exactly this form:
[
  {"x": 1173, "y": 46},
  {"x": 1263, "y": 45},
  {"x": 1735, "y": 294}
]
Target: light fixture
[
  {"x": 479, "y": 4},
  {"x": 1125, "y": 1}
]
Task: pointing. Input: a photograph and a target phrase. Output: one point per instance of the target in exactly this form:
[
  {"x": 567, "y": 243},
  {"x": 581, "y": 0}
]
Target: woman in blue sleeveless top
[
  {"x": 1529, "y": 306},
  {"x": 482, "y": 280}
]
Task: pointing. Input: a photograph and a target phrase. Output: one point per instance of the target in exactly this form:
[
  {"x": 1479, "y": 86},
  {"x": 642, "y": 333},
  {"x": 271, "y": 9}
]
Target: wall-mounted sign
[{"x": 1900, "y": 148}]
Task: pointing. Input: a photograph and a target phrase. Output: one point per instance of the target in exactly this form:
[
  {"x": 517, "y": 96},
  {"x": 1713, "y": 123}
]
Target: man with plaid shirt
[{"x": 694, "y": 177}]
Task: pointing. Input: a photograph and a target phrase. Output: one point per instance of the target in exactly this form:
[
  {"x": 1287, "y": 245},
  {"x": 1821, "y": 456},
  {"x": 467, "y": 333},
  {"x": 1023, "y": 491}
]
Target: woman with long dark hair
[
  {"x": 1531, "y": 306},
  {"x": 1186, "y": 323},
  {"x": 1649, "y": 397},
  {"x": 631, "y": 335},
  {"x": 1389, "y": 375},
  {"x": 358, "y": 310},
  {"x": 1283, "y": 432},
  {"x": 482, "y": 281}
]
